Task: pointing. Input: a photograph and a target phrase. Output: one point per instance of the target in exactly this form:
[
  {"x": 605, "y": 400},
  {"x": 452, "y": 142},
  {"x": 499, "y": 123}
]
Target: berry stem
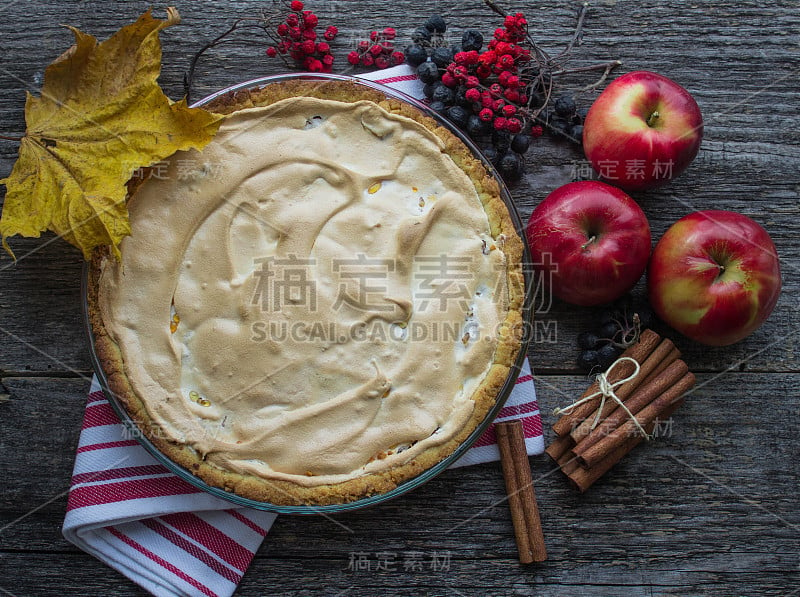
[
  {"x": 606, "y": 71},
  {"x": 545, "y": 63},
  {"x": 544, "y": 123},
  {"x": 578, "y": 34},
  {"x": 582, "y": 69},
  {"x": 494, "y": 8},
  {"x": 606, "y": 66},
  {"x": 188, "y": 78},
  {"x": 11, "y": 138}
]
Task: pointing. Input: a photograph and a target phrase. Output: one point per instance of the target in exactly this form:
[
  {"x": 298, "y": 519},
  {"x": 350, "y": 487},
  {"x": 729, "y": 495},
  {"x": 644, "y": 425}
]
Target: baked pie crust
[{"x": 322, "y": 176}]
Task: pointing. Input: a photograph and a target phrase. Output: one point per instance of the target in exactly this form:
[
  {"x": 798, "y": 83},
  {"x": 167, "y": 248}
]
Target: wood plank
[
  {"x": 77, "y": 576},
  {"x": 41, "y": 317},
  {"x": 747, "y": 163},
  {"x": 708, "y": 505},
  {"x": 710, "y": 509},
  {"x": 41, "y": 423}
]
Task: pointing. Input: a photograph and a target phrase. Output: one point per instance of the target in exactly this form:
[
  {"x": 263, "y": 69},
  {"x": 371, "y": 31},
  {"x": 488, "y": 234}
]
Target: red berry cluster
[
  {"x": 377, "y": 51},
  {"x": 493, "y": 78},
  {"x": 297, "y": 37}
]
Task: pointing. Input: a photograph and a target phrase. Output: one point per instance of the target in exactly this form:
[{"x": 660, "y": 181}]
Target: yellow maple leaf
[{"x": 101, "y": 116}]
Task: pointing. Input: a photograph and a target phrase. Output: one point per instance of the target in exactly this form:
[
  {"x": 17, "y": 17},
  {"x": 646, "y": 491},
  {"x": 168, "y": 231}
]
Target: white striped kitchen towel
[
  {"x": 173, "y": 539},
  {"x": 403, "y": 78},
  {"x": 132, "y": 513}
]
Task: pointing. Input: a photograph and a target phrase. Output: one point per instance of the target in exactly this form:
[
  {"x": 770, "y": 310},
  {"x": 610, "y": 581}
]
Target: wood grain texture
[
  {"x": 738, "y": 59},
  {"x": 710, "y": 504},
  {"x": 711, "y": 509}
]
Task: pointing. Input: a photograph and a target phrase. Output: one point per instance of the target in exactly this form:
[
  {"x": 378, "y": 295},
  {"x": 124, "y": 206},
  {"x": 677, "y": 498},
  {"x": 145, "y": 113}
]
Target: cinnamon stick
[
  {"x": 673, "y": 356},
  {"x": 568, "y": 463},
  {"x": 583, "y": 478},
  {"x": 521, "y": 495},
  {"x": 606, "y": 445},
  {"x": 560, "y": 450},
  {"x": 640, "y": 399},
  {"x": 559, "y": 446},
  {"x": 639, "y": 352},
  {"x": 645, "y": 368}
]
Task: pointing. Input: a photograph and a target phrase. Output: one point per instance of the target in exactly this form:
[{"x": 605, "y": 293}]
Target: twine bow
[{"x": 606, "y": 391}]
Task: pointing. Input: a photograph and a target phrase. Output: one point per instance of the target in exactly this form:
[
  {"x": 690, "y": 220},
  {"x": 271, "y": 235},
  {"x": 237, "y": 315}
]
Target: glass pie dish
[{"x": 514, "y": 361}]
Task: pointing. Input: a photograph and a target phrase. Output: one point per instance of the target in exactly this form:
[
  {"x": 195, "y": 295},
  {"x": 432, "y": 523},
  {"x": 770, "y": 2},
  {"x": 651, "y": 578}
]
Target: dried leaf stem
[
  {"x": 496, "y": 9},
  {"x": 188, "y": 78},
  {"x": 577, "y": 35}
]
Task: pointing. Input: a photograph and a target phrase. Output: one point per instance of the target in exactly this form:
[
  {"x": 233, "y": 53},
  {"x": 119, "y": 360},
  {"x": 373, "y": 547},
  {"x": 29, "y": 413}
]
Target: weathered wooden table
[{"x": 709, "y": 509}]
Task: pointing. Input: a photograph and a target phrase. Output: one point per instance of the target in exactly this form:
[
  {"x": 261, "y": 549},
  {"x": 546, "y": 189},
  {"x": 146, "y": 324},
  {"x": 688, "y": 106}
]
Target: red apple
[
  {"x": 642, "y": 131},
  {"x": 714, "y": 276},
  {"x": 591, "y": 240}
]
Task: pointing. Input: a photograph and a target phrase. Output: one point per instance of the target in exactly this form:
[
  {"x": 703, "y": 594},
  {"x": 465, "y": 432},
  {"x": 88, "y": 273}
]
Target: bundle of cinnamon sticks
[{"x": 594, "y": 435}]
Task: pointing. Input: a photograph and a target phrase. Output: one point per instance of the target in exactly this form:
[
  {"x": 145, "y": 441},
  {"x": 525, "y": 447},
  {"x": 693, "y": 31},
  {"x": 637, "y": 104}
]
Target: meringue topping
[{"x": 313, "y": 297}]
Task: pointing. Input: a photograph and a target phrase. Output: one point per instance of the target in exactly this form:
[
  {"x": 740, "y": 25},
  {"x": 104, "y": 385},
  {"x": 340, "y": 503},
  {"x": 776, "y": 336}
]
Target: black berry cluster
[
  {"x": 429, "y": 45},
  {"x": 619, "y": 326},
  {"x": 565, "y": 118}
]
